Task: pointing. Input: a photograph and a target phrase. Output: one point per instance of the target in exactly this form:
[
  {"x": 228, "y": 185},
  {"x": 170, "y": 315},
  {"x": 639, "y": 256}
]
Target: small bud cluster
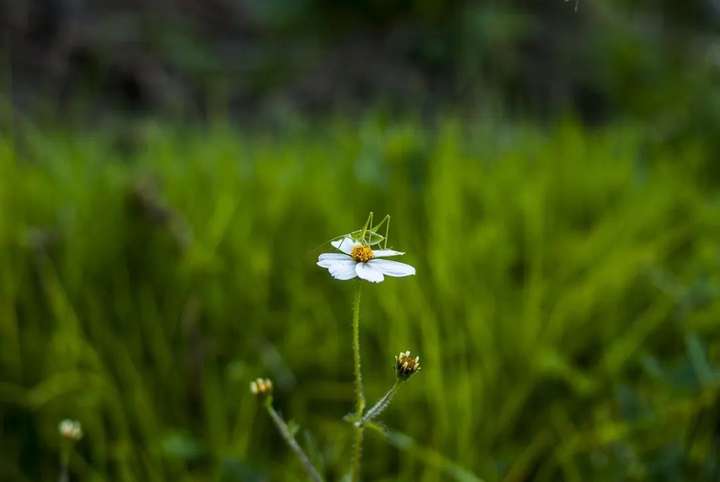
[
  {"x": 70, "y": 430},
  {"x": 262, "y": 387},
  {"x": 406, "y": 365}
]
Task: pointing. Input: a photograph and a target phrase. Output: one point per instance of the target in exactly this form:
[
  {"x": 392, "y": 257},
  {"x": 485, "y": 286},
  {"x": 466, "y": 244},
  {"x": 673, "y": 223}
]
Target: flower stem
[
  {"x": 64, "y": 462},
  {"x": 357, "y": 452},
  {"x": 290, "y": 439},
  {"x": 359, "y": 395},
  {"x": 381, "y": 404}
]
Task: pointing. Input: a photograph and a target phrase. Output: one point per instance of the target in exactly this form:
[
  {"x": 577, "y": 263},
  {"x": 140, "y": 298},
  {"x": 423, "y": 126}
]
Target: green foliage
[{"x": 565, "y": 307}]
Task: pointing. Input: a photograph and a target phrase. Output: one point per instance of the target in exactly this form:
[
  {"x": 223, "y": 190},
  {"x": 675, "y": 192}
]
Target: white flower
[{"x": 358, "y": 259}]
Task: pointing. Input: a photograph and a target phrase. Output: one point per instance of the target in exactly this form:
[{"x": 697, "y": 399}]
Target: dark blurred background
[{"x": 598, "y": 59}]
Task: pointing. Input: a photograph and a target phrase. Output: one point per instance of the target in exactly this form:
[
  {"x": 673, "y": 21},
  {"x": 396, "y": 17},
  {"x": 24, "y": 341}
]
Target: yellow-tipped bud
[
  {"x": 261, "y": 387},
  {"x": 406, "y": 365}
]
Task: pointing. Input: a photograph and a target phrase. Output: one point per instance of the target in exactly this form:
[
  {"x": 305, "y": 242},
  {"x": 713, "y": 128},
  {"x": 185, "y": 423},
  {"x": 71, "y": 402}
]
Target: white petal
[
  {"x": 391, "y": 268},
  {"x": 326, "y": 259},
  {"x": 337, "y": 256},
  {"x": 367, "y": 272},
  {"x": 379, "y": 253},
  {"x": 345, "y": 245},
  {"x": 342, "y": 270}
]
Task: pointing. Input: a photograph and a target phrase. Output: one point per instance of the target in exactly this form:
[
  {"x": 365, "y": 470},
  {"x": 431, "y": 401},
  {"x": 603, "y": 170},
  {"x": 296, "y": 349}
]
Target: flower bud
[
  {"x": 261, "y": 387},
  {"x": 70, "y": 430},
  {"x": 406, "y": 365}
]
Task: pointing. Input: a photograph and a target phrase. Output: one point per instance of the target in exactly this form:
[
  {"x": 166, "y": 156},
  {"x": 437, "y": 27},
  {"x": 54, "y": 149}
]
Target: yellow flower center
[{"x": 362, "y": 253}]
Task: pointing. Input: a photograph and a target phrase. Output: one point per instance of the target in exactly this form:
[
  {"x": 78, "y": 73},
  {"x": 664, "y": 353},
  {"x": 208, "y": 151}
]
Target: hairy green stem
[
  {"x": 290, "y": 439},
  {"x": 359, "y": 395},
  {"x": 357, "y": 452},
  {"x": 381, "y": 404}
]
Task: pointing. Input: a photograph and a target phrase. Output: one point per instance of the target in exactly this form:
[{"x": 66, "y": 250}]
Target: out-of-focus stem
[
  {"x": 64, "y": 462},
  {"x": 290, "y": 439}
]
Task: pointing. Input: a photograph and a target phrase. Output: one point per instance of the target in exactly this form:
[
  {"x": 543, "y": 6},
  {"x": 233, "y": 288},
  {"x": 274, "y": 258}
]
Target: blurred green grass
[{"x": 566, "y": 301}]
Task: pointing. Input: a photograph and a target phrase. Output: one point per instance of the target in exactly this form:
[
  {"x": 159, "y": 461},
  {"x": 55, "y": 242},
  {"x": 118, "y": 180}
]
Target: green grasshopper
[{"x": 368, "y": 234}]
